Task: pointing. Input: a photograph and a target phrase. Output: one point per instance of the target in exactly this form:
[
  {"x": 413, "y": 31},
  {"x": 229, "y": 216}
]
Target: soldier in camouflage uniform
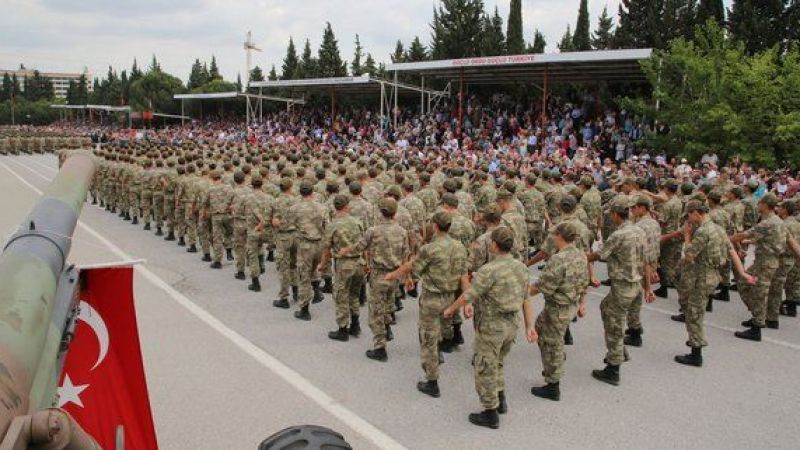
[
  {"x": 640, "y": 210},
  {"x": 239, "y": 213},
  {"x": 171, "y": 177},
  {"x": 440, "y": 265},
  {"x": 286, "y": 260},
  {"x": 257, "y": 213},
  {"x": 147, "y": 189},
  {"x": 203, "y": 186},
  {"x": 342, "y": 232},
  {"x": 535, "y": 211},
  {"x": 497, "y": 294},
  {"x": 624, "y": 252},
  {"x": 785, "y": 211},
  {"x": 462, "y": 229},
  {"x": 218, "y": 204},
  {"x": 592, "y": 205},
  {"x": 670, "y": 212},
  {"x": 387, "y": 244},
  {"x": 310, "y": 219},
  {"x": 159, "y": 183},
  {"x": 769, "y": 238},
  {"x": 479, "y": 250},
  {"x": 562, "y": 283},
  {"x": 515, "y": 221}
]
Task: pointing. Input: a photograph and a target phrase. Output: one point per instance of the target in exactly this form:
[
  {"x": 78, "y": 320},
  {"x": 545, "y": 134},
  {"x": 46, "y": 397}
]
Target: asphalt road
[{"x": 225, "y": 369}]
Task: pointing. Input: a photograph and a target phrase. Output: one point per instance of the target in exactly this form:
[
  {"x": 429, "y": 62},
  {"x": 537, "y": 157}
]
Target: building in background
[{"x": 60, "y": 80}]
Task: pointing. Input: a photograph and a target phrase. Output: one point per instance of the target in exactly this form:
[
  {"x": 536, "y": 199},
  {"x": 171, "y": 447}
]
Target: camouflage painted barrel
[{"x": 30, "y": 266}]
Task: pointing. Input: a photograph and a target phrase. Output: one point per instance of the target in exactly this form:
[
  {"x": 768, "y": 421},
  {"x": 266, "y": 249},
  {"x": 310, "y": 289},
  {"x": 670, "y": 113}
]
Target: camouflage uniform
[
  {"x": 348, "y": 276},
  {"x": 652, "y": 232},
  {"x": 562, "y": 284},
  {"x": 591, "y": 204},
  {"x": 440, "y": 265},
  {"x": 239, "y": 214},
  {"x": 310, "y": 219},
  {"x": 785, "y": 267},
  {"x": 286, "y": 257},
  {"x": 769, "y": 237},
  {"x": 534, "y": 211},
  {"x": 218, "y": 202},
  {"x": 257, "y": 213},
  {"x": 624, "y": 254},
  {"x": 670, "y": 256},
  {"x": 497, "y": 293}
]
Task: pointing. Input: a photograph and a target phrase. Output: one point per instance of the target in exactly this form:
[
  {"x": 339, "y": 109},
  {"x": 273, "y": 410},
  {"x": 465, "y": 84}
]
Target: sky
[{"x": 68, "y": 35}]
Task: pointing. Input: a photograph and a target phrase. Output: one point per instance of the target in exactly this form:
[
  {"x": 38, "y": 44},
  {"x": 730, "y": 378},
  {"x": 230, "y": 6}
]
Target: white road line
[
  {"x": 710, "y": 325},
  {"x": 34, "y": 160},
  {"x": 28, "y": 169},
  {"x": 336, "y": 409}
]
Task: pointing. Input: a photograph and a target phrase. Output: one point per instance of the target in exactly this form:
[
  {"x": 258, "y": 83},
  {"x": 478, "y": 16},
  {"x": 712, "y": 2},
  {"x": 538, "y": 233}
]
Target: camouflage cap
[
  {"x": 306, "y": 188},
  {"x": 285, "y": 183},
  {"x": 492, "y": 213},
  {"x": 696, "y": 205},
  {"x": 503, "y": 194},
  {"x": 340, "y": 201},
  {"x": 567, "y": 202},
  {"x": 738, "y": 192},
  {"x": 715, "y": 195},
  {"x": 503, "y": 237},
  {"x": 450, "y": 185},
  {"x": 450, "y": 200},
  {"x": 618, "y": 207},
  {"x": 643, "y": 200},
  {"x": 443, "y": 219},
  {"x": 752, "y": 184},
  {"x": 354, "y": 187},
  {"x": 394, "y": 191},
  {"x": 671, "y": 184},
  {"x": 387, "y": 205},
  {"x": 769, "y": 199},
  {"x": 567, "y": 230},
  {"x": 530, "y": 178},
  {"x": 789, "y": 205},
  {"x": 587, "y": 180}
]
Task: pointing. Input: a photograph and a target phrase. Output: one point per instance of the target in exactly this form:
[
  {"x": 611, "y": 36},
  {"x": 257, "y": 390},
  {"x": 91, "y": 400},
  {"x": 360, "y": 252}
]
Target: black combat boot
[
  {"x": 327, "y": 288},
  {"x": 355, "y": 327},
  {"x": 302, "y": 314},
  {"x": 255, "y": 285},
  {"x": 229, "y": 254},
  {"x": 606, "y": 282},
  {"x": 135, "y": 220},
  {"x": 192, "y": 249},
  {"x": 170, "y": 236},
  {"x": 692, "y": 359},
  {"x": 393, "y": 320},
  {"x": 146, "y": 226},
  {"x": 710, "y": 304},
  {"x": 751, "y": 334},
  {"x": 240, "y": 276},
  {"x": 502, "y": 405},
  {"x": 181, "y": 242},
  {"x": 389, "y": 334},
  {"x": 318, "y": 295},
  {"x": 608, "y": 375},
  {"x": 773, "y": 324},
  {"x": 281, "y": 303},
  {"x": 362, "y": 294},
  {"x": 550, "y": 391},
  {"x": 789, "y": 308},
  {"x": 723, "y": 294},
  {"x": 294, "y": 294},
  {"x": 102, "y": 205},
  {"x": 398, "y": 303},
  {"x": 339, "y": 335},
  {"x": 261, "y": 264},
  {"x": 379, "y": 354},
  {"x": 125, "y": 215},
  {"x": 206, "y": 257},
  {"x": 733, "y": 287},
  {"x": 216, "y": 265},
  {"x": 271, "y": 256},
  {"x": 568, "y": 337},
  {"x": 662, "y": 291},
  {"x": 634, "y": 337},
  {"x": 458, "y": 338},
  {"x": 429, "y": 388},
  {"x": 487, "y": 418},
  {"x": 446, "y": 345},
  {"x": 747, "y": 323},
  {"x": 678, "y": 317},
  {"x": 159, "y": 231}
]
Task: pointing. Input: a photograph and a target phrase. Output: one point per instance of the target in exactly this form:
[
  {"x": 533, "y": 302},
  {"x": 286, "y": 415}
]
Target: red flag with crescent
[{"x": 103, "y": 384}]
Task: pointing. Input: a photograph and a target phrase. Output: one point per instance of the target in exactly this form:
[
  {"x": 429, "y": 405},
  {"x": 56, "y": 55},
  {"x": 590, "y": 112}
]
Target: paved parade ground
[{"x": 225, "y": 369}]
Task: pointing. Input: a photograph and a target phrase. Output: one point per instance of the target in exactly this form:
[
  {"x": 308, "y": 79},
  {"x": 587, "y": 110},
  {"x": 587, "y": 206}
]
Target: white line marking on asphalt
[
  {"x": 34, "y": 160},
  {"x": 336, "y": 409},
  {"x": 28, "y": 169}
]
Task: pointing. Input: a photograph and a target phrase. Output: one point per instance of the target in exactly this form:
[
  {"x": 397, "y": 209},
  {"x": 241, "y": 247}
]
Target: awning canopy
[
  {"x": 206, "y": 96},
  {"x": 573, "y": 67},
  {"x": 358, "y": 86},
  {"x": 94, "y": 107}
]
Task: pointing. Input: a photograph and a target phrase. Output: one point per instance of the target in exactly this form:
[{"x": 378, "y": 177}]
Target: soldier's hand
[
  {"x": 582, "y": 310},
  {"x": 750, "y": 279},
  {"x": 649, "y": 296},
  {"x": 409, "y": 285},
  {"x": 595, "y": 282},
  {"x": 531, "y": 335},
  {"x": 448, "y": 312},
  {"x": 469, "y": 311}
]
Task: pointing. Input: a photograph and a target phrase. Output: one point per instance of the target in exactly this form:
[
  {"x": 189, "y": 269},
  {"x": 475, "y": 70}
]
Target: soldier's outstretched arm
[
  {"x": 527, "y": 315},
  {"x": 738, "y": 266}
]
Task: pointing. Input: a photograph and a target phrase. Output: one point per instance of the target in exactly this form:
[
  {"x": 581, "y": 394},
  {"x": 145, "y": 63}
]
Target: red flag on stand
[{"x": 103, "y": 384}]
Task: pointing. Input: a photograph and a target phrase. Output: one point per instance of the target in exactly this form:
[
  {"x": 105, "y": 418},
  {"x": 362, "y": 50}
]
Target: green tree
[
  {"x": 493, "y": 42},
  {"x": 330, "y": 61},
  {"x": 369, "y": 65},
  {"x": 136, "y": 73},
  {"x": 580, "y": 40},
  {"x": 539, "y": 44},
  {"x": 154, "y": 65},
  {"x": 154, "y": 91},
  {"x": 238, "y": 82},
  {"x": 216, "y": 85},
  {"x": 38, "y": 88},
  {"x": 82, "y": 90},
  {"x": 273, "y": 75},
  {"x": 290, "y": 68},
  {"x": 309, "y": 65},
  {"x": 757, "y": 23},
  {"x": 792, "y": 23},
  {"x": 197, "y": 77},
  {"x": 604, "y": 34},
  {"x": 710, "y": 9},
  {"x": 358, "y": 53},
  {"x": 678, "y": 19},
  {"x": 399, "y": 54},
  {"x": 515, "y": 42},
  {"x": 639, "y": 24},
  {"x": 213, "y": 70},
  {"x": 566, "y": 44},
  {"x": 7, "y": 88},
  {"x": 456, "y": 29},
  {"x": 256, "y": 74},
  {"x": 417, "y": 51}
]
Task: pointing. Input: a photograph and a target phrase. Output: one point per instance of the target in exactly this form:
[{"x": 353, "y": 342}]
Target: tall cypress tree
[
  {"x": 604, "y": 34},
  {"x": 273, "y": 75},
  {"x": 213, "y": 70},
  {"x": 330, "y": 61},
  {"x": 399, "y": 54},
  {"x": 678, "y": 19},
  {"x": 309, "y": 65},
  {"x": 493, "y": 42},
  {"x": 539, "y": 44},
  {"x": 416, "y": 51},
  {"x": 256, "y": 74},
  {"x": 369, "y": 65},
  {"x": 580, "y": 40},
  {"x": 639, "y": 24},
  {"x": 757, "y": 23},
  {"x": 792, "y": 23},
  {"x": 290, "y": 62},
  {"x": 566, "y": 44},
  {"x": 355, "y": 66},
  {"x": 711, "y": 9},
  {"x": 456, "y": 29},
  {"x": 515, "y": 43},
  {"x": 196, "y": 77}
]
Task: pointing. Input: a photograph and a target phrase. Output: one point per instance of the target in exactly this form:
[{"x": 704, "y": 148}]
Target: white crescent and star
[{"x": 69, "y": 392}]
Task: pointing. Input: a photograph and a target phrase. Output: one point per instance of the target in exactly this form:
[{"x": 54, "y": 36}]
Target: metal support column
[
  {"x": 383, "y": 105},
  {"x": 395, "y": 111},
  {"x": 422, "y": 95},
  {"x": 461, "y": 99},
  {"x": 183, "y": 112},
  {"x": 544, "y": 100}
]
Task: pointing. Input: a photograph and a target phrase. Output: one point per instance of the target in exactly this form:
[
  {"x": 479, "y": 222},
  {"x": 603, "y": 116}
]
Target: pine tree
[
  {"x": 256, "y": 74},
  {"x": 82, "y": 90},
  {"x": 539, "y": 44},
  {"x": 154, "y": 65},
  {"x": 580, "y": 40},
  {"x": 399, "y": 54},
  {"x": 5, "y": 92},
  {"x": 136, "y": 73},
  {"x": 239, "y": 84},
  {"x": 493, "y": 42},
  {"x": 213, "y": 70},
  {"x": 639, "y": 24},
  {"x": 566, "y": 44},
  {"x": 273, "y": 75},
  {"x": 355, "y": 65},
  {"x": 125, "y": 84},
  {"x": 330, "y": 61},
  {"x": 792, "y": 23},
  {"x": 757, "y": 23},
  {"x": 515, "y": 43},
  {"x": 369, "y": 65},
  {"x": 196, "y": 76},
  {"x": 290, "y": 62},
  {"x": 417, "y": 51},
  {"x": 309, "y": 66},
  {"x": 456, "y": 29},
  {"x": 710, "y": 9},
  {"x": 604, "y": 34}
]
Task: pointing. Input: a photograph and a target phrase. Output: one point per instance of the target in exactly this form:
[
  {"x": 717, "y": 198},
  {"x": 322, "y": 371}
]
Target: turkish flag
[{"x": 103, "y": 385}]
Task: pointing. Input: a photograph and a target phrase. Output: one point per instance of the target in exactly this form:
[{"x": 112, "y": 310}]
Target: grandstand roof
[
  {"x": 360, "y": 85},
  {"x": 573, "y": 67}
]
